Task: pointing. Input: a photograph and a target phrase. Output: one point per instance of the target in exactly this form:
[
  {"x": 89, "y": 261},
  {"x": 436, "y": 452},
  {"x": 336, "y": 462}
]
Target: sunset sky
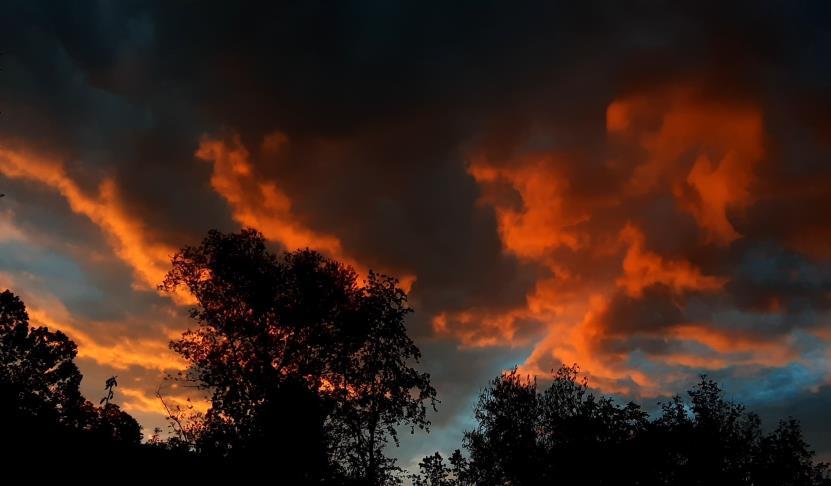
[{"x": 641, "y": 188}]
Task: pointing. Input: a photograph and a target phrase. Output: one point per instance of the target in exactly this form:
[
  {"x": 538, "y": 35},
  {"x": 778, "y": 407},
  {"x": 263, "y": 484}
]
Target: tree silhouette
[
  {"x": 503, "y": 448},
  {"x": 784, "y": 458},
  {"x": 42, "y": 411},
  {"x": 37, "y": 371},
  {"x": 299, "y": 358},
  {"x": 111, "y": 422},
  {"x": 568, "y": 435}
]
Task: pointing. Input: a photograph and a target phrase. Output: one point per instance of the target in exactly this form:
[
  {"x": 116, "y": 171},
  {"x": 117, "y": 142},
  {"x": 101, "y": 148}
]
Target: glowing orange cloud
[
  {"x": 728, "y": 134},
  {"x": 574, "y": 340},
  {"x": 477, "y": 328},
  {"x": 257, "y": 203},
  {"x": 140, "y": 400},
  {"x": 642, "y": 268},
  {"x": 718, "y": 189},
  {"x": 701, "y": 154},
  {"x": 119, "y": 352},
  {"x": 127, "y": 235},
  {"x": 261, "y": 204},
  {"x": 753, "y": 349},
  {"x": 544, "y": 221},
  {"x": 106, "y": 344}
]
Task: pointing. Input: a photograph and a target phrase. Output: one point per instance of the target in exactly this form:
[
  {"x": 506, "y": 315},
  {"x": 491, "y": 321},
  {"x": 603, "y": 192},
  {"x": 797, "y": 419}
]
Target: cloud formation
[
  {"x": 256, "y": 203},
  {"x": 128, "y": 235},
  {"x": 636, "y": 293}
]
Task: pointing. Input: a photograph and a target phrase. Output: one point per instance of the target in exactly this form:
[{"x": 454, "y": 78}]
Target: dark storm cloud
[
  {"x": 771, "y": 278},
  {"x": 403, "y": 87},
  {"x": 656, "y": 309}
]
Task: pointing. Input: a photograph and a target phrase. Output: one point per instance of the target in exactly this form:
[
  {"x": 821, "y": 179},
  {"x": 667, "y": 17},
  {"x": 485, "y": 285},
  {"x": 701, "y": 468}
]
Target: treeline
[
  {"x": 44, "y": 419},
  {"x": 310, "y": 375},
  {"x": 567, "y": 435}
]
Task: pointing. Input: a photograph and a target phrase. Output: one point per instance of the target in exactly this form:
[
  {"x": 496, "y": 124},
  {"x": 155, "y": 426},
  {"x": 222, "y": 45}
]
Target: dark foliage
[
  {"x": 37, "y": 371},
  {"x": 41, "y": 407},
  {"x": 567, "y": 435},
  {"x": 39, "y": 378}
]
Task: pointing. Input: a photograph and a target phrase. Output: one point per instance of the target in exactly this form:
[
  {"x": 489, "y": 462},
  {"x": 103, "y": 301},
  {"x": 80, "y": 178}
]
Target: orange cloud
[
  {"x": 146, "y": 401},
  {"x": 261, "y": 204},
  {"x": 574, "y": 340},
  {"x": 108, "y": 345},
  {"x": 642, "y": 268},
  {"x": 701, "y": 153},
  {"x": 744, "y": 347},
  {"x": 711, "y": 131},
  {"x": 127, "y": 235},
  {"x": 544, "y": 221},
  {"x": 719, "y": 189},
  {"x": 479, "y": 328}
]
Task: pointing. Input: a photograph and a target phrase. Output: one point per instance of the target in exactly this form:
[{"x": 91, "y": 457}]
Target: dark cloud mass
[{"x": 640, "y": 187}]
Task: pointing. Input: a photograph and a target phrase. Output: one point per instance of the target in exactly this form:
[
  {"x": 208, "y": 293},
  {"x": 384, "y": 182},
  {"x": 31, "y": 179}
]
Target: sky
[{"x": 641, "y": 188}]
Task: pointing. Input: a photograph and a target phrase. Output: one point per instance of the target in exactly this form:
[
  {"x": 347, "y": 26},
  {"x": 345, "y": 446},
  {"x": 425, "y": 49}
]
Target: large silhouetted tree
[
  {"x": 568, "y": 435},
  {"x": 299, "y": 357}
]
